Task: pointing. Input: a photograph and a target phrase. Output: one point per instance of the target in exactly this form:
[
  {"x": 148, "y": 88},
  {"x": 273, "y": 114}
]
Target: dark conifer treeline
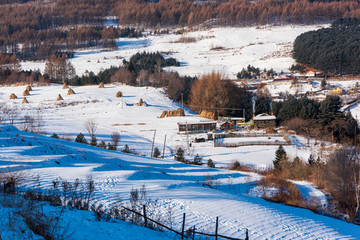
[{"x": 333, "y": 50}]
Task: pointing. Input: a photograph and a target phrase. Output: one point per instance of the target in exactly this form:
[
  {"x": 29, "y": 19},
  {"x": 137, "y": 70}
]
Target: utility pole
[
  {"x": 187, "y": 139},
  {"x": 152, "y": 148},
  {"x": 182, "y": 101},
  {"x": 164, "y": 147}
]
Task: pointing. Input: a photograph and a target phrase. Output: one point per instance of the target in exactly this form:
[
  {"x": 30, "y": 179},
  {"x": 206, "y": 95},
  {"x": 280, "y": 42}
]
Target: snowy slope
[
  {"x": 173, "y": 184},
  {"x": 226, "y": 50},
  {"x": 136, "y": 124}
]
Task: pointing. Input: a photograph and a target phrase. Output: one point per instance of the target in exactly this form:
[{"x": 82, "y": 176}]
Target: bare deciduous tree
[
  {"x": 91, "y": 127},
  {"x": 343, "y": 173},
  {"x": 115, "y": 138},
  {"x": 12, "y": 113}
]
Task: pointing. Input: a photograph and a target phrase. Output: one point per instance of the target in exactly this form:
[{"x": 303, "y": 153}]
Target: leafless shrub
[
  {"x": 343, "y": 180},
  {"x": 91, "y": 127},
  {"x": 115, "y": 138}
]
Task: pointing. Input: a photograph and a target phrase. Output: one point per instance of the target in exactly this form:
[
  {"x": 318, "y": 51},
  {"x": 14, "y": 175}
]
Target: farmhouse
[
  {"x": 264, "y": 121},
  {"x": 199, "y": 126}
]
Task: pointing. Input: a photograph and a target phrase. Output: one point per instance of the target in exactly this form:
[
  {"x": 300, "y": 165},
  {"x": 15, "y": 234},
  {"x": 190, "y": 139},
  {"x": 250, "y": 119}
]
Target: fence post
[
  {"x": 247, "y": 235},
  {"x": 193, "y": 233},
  {"x": 145, "y": 219},
  {"x": 183, "y": 227},
  {"x": 216, "y": 228}
]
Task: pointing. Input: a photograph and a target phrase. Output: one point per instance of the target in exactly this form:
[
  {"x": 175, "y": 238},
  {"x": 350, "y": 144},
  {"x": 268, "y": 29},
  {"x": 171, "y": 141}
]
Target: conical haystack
[
  {"x": 65, "y": 86},
  {"x": 164, "y": 114},
  {"x": 13, "y": 96},
  {"x": 70, "y": 92},
  {"x": 59, "y": 98},
  {"x": 26, "y": 93},
  {"x": 119, "y": 94},
  {"x": 101, "y": 85},
  {"x": 28, "y": 88},
  {"x": 140, "y": 102},
  {"x": 24, "y": 101}
]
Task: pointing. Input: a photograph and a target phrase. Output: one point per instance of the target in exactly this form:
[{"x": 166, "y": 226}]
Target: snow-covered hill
[
  {"x": 226, "y": 50},
  {"x": 174, "y": 185}
]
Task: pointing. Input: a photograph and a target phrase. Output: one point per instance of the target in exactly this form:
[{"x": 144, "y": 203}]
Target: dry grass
[
  {"x": 24, "y": 101},
  {"x": 26, "y": 93},
  {"x": 59, "y": 98},
  {"x": 101, "y": 85},
  {"x": 70, "y": 92},
  {"x": 119, "y": 94},
  {"x": 13, "y": 96},
  {"x": 65, "y": 86},
  {"x": 185, "y": 40}
]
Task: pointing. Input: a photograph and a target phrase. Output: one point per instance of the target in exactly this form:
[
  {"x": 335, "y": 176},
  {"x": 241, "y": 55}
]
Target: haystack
[
  {"x": 24, "y": 101},
  {"x": 101, "y": 85},
  {"x": 28, "y": 88},
  {"x": 59, "y": 98},
  {"x": 140, "y": 102},
  {"x": 65, "y": 86},
  {"x": 175, "y": 113},
  {"x": 119, "y": 94},
  {"x": 26, "y": 93},
  {"x": 208, "y": 114},
  {"x": 164, "y": 114},
  {"x": 13, "y": 96},
  {"x": 70, "y": 92}
]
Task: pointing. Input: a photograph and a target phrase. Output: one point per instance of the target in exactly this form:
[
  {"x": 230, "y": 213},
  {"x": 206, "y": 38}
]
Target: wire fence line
[{"x": 190, "y": 233}]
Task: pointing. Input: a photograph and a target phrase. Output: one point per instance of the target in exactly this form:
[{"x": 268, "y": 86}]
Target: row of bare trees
[{"x": 234, "y": 12}]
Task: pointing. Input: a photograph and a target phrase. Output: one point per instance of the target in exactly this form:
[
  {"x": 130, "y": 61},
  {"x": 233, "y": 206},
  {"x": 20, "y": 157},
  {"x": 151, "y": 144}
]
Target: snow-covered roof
[{"x": 264, "y": 116}]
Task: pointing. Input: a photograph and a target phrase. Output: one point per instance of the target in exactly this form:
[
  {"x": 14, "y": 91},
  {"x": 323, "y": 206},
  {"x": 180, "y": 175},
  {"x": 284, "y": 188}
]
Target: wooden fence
[
  {"x": 251, "y": 143},
  {"x": 244, "y": 135},
  {"x": 192, "y": 231}
]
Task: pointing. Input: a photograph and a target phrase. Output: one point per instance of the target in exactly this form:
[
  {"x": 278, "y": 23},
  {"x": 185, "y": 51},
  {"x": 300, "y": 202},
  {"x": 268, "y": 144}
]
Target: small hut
[
  {"x": 65, "y": 86},
  {"x": 119, "y": 94},
  {"x": 101, "y": 85},
  {"x": 26, "y": 93},
  {"x": 28, "y": 88},
  {"x": 24, "y": 101},
  {"x": 70, "y": 92},
  {"x": 13, "y": 96},
  {"x": 59, "y": 98}
]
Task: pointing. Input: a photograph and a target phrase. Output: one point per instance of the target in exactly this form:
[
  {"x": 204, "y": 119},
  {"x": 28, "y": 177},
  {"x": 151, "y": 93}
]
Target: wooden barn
[
  {"x": 199, "y": 126},
  {"x": 264, "y": 121}
]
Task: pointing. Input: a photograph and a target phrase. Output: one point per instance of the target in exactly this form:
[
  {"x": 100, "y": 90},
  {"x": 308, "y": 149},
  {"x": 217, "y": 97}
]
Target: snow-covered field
[
  {"x": 174, "y": 185},
  {"x": 226, "y": 50},
  {"x": 136, "y": 124}
]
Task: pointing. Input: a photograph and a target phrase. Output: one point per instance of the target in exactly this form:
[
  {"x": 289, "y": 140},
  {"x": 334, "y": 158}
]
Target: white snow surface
[
  {"x": 174, "y": 185},
  {"x": 225, "y": 50}
]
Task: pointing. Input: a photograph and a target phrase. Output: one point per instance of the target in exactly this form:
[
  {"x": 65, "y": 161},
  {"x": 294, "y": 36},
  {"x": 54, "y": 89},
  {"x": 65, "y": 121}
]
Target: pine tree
[
  {"x": 93, "y": 141},
  {"x": 197, "y": 160},
  {"x": 54, "y": 135},
  {"x": 179, "y": 156},
  {"x": 156, "y": 153},
  {"x": 311, "y": 159},
  {"x": 80, "y": 138},
  {"x": 280, "y": 155},
  {"x": 210, "y": 163},
  {"x": 102, "y": 144},
  {"x": 126, "y": 149}
]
